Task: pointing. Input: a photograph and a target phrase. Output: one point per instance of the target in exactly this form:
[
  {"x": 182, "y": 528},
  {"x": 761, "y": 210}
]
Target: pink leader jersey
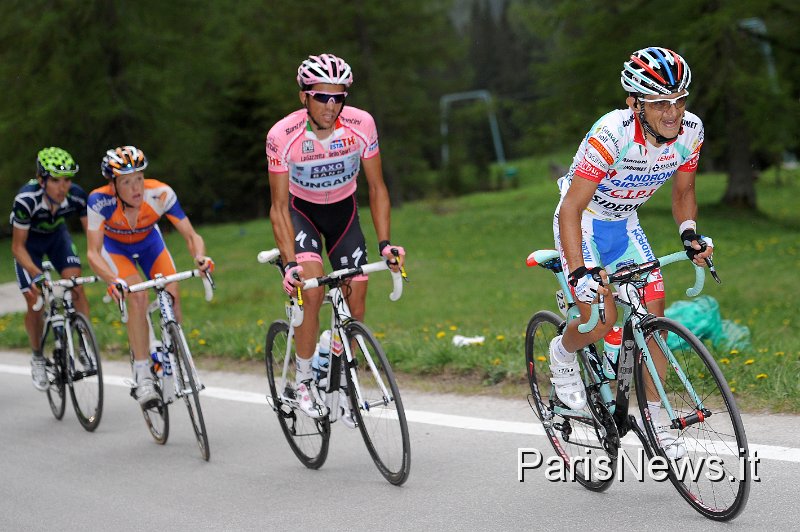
[{"x": 322, "y": 171}]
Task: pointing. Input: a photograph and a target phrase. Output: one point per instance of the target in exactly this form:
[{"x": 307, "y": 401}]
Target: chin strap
[{"x": 649, "y": 129}]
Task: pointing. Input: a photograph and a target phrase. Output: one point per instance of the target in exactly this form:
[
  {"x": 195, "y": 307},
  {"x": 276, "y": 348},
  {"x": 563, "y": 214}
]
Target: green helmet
[{"x": 55, "y": 162}]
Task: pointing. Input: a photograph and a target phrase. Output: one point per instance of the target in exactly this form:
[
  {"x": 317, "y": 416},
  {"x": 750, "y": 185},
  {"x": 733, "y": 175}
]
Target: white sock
[
  {"x": 141, "y": 370},
  {"x": 561, "y": 354},
  {"x": 303, "y": 369},
  {"x": 655, "y": 410}
]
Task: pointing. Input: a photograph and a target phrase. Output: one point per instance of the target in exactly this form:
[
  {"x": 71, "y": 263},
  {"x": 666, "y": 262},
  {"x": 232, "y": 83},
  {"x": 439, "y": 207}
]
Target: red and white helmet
[{"x": 324, "y": 68}]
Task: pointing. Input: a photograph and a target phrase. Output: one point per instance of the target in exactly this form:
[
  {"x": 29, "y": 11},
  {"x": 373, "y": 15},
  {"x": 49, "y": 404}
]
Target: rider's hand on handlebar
[
  {"x": 395, "y": 255},
  {"x": 292, "y": 277},
  {"x": 698, "y": 247},
  {"x": 588, "y": 283},
  {"x": 117, "y": 289},
  {"x": 204, "y": 264}
]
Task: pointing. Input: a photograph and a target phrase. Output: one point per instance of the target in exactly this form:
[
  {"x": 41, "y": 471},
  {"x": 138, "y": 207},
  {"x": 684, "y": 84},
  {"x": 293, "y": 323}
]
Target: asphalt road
[{"x": 54, "y": 475}]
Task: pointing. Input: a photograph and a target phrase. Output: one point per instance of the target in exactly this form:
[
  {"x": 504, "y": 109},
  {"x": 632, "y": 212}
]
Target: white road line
[{"x": 768, "y": 452}]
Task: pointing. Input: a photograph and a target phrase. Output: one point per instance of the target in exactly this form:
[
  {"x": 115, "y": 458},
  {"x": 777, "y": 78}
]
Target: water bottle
[
  {"x": 611, "y": 344},
  {"x": 321, "y": 359},
  {"x": 155, "y": 356}
]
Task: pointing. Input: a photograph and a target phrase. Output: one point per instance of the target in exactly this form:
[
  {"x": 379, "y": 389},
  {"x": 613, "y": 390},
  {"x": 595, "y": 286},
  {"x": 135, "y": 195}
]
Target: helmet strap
[
  {"x": 125, "y": 204},
  {"x": 660, "y": 139}
]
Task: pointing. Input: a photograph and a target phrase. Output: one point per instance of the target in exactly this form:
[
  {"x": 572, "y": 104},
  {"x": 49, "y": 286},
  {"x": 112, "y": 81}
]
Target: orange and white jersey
[{"x": 104, "y": 210}]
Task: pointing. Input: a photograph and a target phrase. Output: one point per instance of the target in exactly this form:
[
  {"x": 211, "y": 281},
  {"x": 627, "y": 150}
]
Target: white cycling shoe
[
  {"x": 146, "y": 393},
  {"x": 674, "y": 447},
  {"x": 345, "y": 413},
  {"x": 309, "y": 400},
  {"x": 39, "y": 374},
  {"x": 567, "y": 380}
]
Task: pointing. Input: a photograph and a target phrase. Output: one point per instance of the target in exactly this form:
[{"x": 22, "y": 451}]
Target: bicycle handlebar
[
  {"x": 161, "y": 282},
  {"x": 60, "y": 286},
  {"x": 272, "y": 256},
  {"x": 627, "y": 274}
]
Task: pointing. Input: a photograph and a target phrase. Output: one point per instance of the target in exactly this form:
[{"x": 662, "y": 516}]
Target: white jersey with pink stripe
[
  {"x": 322, "y": 170},
  {"x": 627, "y": 168}
]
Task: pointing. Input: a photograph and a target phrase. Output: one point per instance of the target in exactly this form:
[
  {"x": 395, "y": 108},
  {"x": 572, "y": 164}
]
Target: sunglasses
[
  {"x": 325, "y": 97},
  {"x": 662, "y": 104}
]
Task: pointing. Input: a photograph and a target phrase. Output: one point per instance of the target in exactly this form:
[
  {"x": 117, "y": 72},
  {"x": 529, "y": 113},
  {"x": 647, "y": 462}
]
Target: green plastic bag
[{"x": 701, "y": 316}]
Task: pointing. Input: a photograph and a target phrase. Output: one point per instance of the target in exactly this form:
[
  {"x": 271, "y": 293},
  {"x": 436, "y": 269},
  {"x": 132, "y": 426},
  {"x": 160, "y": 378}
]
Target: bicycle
[
  {"x": 67, "y": 332},
  {"x": 374, "y": 398},
  {"x": 703, "y": 416},
  {"x": 176, "y": 355}
]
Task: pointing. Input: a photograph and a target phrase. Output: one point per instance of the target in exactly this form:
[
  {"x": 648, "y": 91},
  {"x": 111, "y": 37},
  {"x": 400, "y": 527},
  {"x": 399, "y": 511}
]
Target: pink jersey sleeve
[{"x": 280, "y": 137}]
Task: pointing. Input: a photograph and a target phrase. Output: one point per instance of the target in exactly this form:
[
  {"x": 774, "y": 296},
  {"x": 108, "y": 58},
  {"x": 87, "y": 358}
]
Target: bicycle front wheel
[
  {"x": 377, "y": 407},
  {"x": 53, "y": 350},
  {"x": 187, "y": 385},
  {"x": 85, "y": 375},
  {"x": 585, "y": 440},
  {"x": 307, "y": 437},
  {"x": 704, "y": 442}
]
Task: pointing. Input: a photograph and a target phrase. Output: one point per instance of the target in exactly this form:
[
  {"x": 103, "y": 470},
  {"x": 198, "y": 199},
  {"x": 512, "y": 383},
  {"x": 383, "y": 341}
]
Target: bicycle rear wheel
[
  {"x": 307, "y": 437},
  {"x": 188, "y": 388},
  {"x": 56, "y": 392},
  {"x": 710, "y": 441},
  {"x": 85, "y": 375},
  {"x": 586, "y": 440},
  {"x": 377, "y": 406}
]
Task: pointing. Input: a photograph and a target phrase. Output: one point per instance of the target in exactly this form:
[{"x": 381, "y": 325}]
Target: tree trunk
[{"x": 741, "y": 191}]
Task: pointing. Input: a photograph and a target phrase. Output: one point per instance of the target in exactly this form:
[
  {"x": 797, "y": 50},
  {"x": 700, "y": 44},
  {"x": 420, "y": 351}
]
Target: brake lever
[{"x": 713, "y": 271}]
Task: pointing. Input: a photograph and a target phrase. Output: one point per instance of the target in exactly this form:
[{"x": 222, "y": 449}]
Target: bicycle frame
[
  {"x": 166, "y": 317},
  {"x": 57, "y": 298},
  {"x": 635, "y": 317}
]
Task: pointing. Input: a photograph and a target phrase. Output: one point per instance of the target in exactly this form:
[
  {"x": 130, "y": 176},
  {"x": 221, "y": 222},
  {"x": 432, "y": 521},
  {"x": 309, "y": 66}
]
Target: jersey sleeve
[
  {"x": 79, "y": 198},
  {"x": 599, "y": 153},
  {"x": 164, "y": 201},
  {"x": 276, "y": 151},
  {"x": 21, "y": 213},
  {"x": 691, "y": 163},
  {"x": 94, "y": 211},
  {"x": 370, "y": 132}
]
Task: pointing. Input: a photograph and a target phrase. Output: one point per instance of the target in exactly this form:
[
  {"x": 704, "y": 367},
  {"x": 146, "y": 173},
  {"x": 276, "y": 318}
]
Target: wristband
[
  {"x": 687, "y": 224},
  {"x": 289, "y": 266}
]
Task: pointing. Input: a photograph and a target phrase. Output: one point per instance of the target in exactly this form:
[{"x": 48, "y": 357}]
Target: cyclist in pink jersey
[
  {"x": 626, "y": 156},
  {"x": 315, "y": 155}
]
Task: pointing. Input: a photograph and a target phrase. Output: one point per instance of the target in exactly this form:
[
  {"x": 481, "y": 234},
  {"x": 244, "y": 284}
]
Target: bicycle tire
[
  {"x": 56, "y": 375},
  {"x": 308, "y": 438},
  {"x": 188, "y": 386},
  {"x": 85, "y": 374},
  {"x": 719, "y": 430},
  {"x": 381, "y": 419},
  {"x": 572, "y": 437}
]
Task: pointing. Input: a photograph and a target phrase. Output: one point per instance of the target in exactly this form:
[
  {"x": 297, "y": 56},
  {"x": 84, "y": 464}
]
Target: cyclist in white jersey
[
  {"x": 314, "y": 157},
  {"x": 626, "y": 156}
]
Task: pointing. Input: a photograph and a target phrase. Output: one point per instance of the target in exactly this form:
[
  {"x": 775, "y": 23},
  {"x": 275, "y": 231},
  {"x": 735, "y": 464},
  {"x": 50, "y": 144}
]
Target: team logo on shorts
[{"x": 308, "y": 146}]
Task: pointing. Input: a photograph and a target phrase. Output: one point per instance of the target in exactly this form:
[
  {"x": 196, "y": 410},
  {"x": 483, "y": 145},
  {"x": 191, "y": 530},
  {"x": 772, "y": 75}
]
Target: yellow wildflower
[
  {"x": 201, "y": 341},
  {"x": 440, "y": 334},
  {"x": 260, "y": 323},
  {"x": 725, "y": 360},
  {"x": 749, "y": 361},
  {"x": 540, "y": 358},
  {"x": 761, "y": 376},
  {"x": 500, "y": 337},
  {"x": 453, "y": 328}
]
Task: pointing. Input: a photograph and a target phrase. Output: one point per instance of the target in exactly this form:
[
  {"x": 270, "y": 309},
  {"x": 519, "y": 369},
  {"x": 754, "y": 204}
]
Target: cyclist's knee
[{"x": 137, "y": 301}]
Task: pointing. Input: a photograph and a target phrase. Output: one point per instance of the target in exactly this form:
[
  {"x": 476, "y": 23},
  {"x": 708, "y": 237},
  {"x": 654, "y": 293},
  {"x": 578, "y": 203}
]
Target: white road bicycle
[
  {"x": 373, "y": 398},
  {"x": 184, "y": 383},
  {"x": 70, "y": 348}
]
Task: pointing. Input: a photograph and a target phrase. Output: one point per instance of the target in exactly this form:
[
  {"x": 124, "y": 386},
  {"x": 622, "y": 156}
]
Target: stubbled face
[
  {"x": 57, "y": 188},
  {"x": 130, "y": 188},
  {"x": 323, "y": 114},
  {"x": 664, "y": 116}
]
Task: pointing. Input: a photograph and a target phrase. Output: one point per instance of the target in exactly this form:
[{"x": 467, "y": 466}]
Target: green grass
[{"x": 466, "y": 264}]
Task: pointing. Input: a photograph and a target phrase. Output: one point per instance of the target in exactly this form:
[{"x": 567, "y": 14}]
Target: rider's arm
[
  {"x": 94, "y": 252},
  {"x": 684, "y": 207},
  {"x": 569, "y": 219},
  {"x": 282, "y": 227},
  {"x": 194, "y": 241},
  {"x": 684, "y": 200},
  {"x": 379, "y": 203},
  {"x": 19, "y": 238}
]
